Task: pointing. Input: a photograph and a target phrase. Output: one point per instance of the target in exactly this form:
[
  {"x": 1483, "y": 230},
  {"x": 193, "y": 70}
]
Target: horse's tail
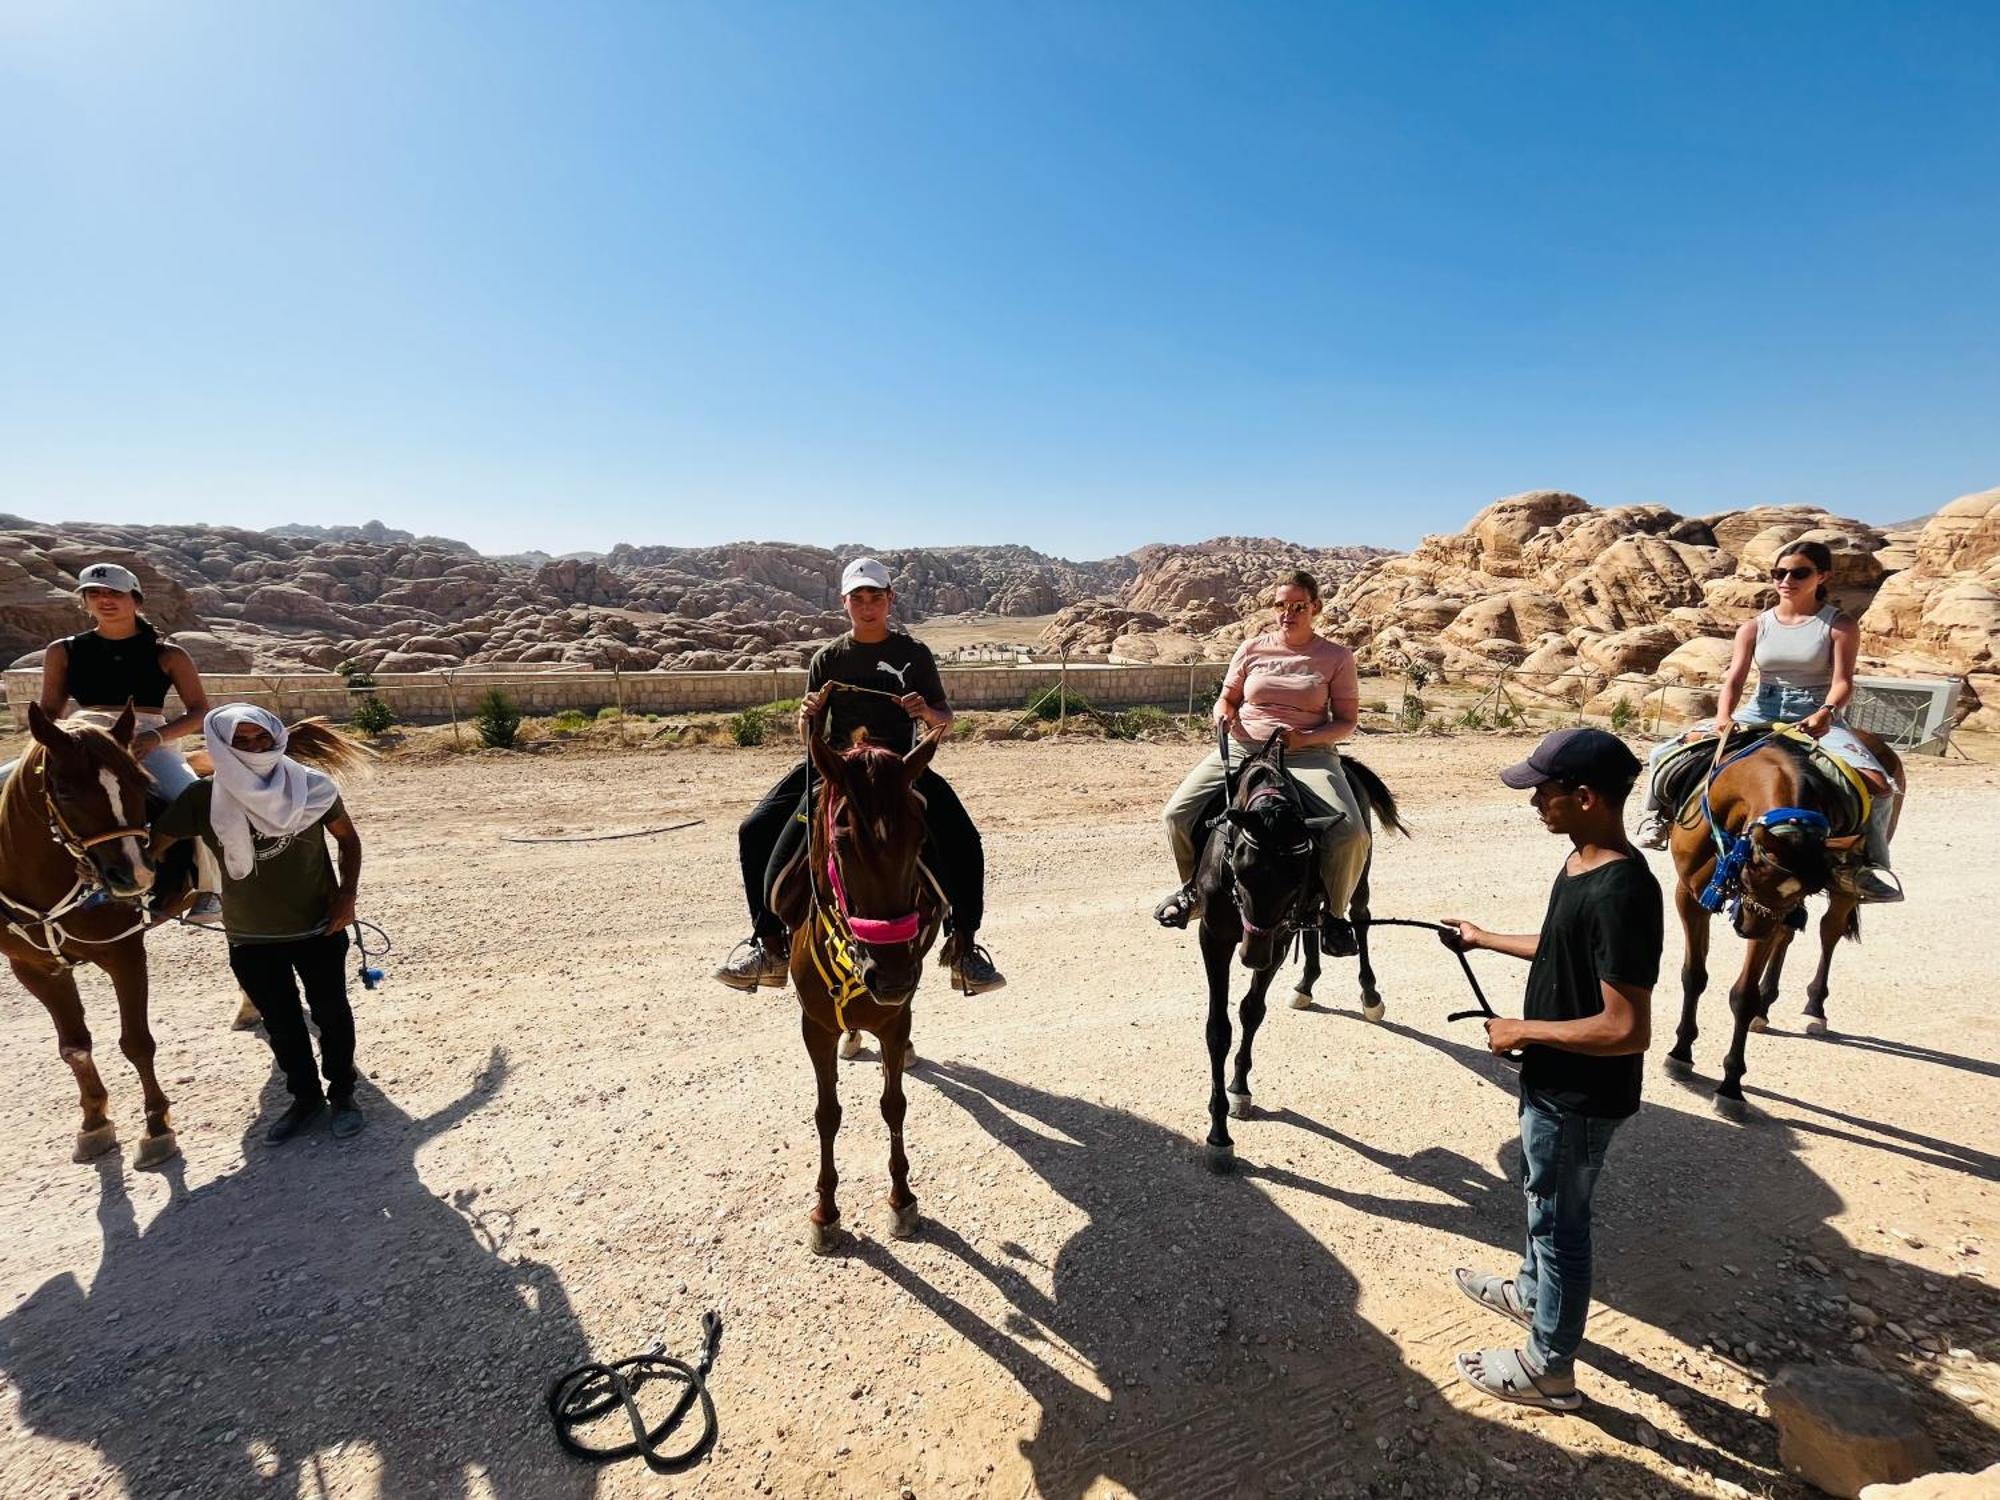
[
  {"x": 315, "y": 742},
  {"x": 1377, "y": 793}
]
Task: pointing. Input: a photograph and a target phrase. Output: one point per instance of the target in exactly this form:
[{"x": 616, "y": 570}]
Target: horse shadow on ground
[
  {"x": 318, "y": 1312},
  {"x": 1193, "y": 1340},
  {"x": 1706, "y": 1275}
]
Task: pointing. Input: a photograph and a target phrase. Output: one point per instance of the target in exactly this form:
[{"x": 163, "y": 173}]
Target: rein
[
  {"x": 1733, "y": 851},
  {"x": 870, "y": 931},
  {"x": 87, "y": 891}
]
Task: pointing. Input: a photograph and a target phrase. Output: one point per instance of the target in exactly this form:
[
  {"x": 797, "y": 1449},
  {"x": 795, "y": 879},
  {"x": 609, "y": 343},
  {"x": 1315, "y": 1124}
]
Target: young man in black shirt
[
  {"x": 871, "y": 655},
  {"x": 1586, "y": 1023}
]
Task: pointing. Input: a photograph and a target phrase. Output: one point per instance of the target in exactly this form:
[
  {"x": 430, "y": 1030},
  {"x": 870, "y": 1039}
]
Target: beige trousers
[{"x": 1343, "y": 847}]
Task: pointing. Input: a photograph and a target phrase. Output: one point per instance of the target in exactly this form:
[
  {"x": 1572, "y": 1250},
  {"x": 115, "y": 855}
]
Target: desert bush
[
  {"x": 1137, "y": 723},
  {"x": 609, "y": 714},
  {"x": 748, "y": 727},
  {"x": 372, "y": 716},
  {"x": 1624, "y": 714},
  {"x": 1052, "y": 703},
  {"x": 498, "y": 720},
  {"x": 569, "y": 721},
  {"x": 1472, "y": 718}
]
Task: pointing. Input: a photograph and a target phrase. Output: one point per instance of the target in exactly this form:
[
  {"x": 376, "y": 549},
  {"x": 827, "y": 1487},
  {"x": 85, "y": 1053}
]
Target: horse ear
[
  {"x": 44, "y": 729},
  {"x": 122, "y": 730},
  {"x": 829, "y": 765},
  {"x": 918, "y": 760}
]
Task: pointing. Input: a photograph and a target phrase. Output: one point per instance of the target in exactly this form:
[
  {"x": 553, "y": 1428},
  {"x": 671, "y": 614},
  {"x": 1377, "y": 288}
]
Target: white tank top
[{"x": 1796, "y": 657}]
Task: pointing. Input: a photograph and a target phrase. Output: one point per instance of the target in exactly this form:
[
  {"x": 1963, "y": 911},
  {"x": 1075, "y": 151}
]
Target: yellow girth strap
[{"x": 1826, "y": 757}]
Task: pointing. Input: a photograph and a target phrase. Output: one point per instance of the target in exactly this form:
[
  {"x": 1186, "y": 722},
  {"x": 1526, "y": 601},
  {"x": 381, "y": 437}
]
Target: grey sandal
[
  {"x": 1503, "y": 1375},
  {"x": 1495, "y": 1293}
]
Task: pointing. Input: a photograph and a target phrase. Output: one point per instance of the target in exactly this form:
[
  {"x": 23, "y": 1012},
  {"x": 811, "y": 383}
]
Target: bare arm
[
  {"x": 1623, "y": 1027},
  {"x": 55, "y": 679},
  {"x": 1738, "y": 674},
  {"x": 347, "y": 839},
  {"x": 1229, "y": 702},
  {"x": 1846, "y": 647},
  {"x": 194, "y": 701},
  {"x": 1463, "y": 937}
]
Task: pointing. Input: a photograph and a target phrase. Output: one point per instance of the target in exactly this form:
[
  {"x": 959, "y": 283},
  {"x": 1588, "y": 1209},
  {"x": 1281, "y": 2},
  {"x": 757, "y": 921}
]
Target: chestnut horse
[
  {"x": 1773, "y": 814},
  {"x": 859, "y": 951},
  {"x": 75, "y": 868}
]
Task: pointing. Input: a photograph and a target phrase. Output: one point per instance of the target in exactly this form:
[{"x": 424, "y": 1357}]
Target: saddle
[{"x": 1678, "y": 783}]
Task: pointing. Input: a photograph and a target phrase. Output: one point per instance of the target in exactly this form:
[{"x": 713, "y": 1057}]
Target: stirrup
[
  {"x": 1179, "y": 908},
  {"x": 1872, "y": 885}
]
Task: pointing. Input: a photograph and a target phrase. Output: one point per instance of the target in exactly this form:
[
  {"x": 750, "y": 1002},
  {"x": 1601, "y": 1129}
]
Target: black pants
[
  {"x": 767, "y": 839},
  {"x": 266, "y": 971}
]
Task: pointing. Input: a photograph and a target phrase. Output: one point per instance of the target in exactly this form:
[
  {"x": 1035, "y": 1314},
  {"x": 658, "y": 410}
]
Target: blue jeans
[{"x": 1561, "y": 1154}]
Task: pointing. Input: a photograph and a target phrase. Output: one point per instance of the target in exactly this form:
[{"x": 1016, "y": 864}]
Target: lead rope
[{"x": 594, "y": 1390}]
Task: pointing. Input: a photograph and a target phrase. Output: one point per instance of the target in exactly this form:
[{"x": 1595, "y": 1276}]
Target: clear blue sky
[{"x": 1080, "y": 276}]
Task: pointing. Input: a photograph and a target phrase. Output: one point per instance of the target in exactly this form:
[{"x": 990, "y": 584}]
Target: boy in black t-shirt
[
  {"x": 1586, "y": 1023},
  {"x": 871, "y": 655}
]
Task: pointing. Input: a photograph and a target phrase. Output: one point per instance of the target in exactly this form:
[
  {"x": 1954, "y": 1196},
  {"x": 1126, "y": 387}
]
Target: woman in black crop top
[{"x": 121, "y": 660}]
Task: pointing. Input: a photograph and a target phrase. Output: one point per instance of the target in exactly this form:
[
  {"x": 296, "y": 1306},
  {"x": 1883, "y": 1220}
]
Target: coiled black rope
[{"x": 593, "y": 1390}]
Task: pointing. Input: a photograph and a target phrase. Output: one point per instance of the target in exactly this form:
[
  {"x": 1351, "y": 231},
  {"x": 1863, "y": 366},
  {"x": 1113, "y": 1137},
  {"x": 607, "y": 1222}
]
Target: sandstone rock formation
[{"x": 1571, "y": 597}]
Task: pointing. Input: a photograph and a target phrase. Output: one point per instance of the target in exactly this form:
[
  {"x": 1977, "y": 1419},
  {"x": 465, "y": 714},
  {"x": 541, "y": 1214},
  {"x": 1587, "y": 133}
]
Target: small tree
[
  {"x": 747, "y": 728},
  {"x": 497, "y": 719},
  {"x": 372, "y": 716}
]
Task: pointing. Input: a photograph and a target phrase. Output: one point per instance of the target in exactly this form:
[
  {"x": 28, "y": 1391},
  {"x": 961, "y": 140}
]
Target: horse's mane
[
  {"x": 874, "y": 782},
  {"x": 315, "y": 742}
]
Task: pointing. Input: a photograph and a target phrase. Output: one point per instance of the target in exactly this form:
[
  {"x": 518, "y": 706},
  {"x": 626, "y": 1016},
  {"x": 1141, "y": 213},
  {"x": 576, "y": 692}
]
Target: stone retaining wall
[{"x": 428, "y": 697}]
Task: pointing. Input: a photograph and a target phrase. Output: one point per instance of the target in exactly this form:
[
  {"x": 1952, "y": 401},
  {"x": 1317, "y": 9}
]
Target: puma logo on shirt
[{"x": 895, "y": 672}]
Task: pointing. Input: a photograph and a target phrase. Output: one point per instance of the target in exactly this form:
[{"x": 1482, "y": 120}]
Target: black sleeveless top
[{"x": 105, "y": 673}]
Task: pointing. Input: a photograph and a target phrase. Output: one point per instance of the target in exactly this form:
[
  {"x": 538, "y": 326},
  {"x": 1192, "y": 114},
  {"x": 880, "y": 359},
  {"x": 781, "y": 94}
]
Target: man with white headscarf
[{"x": 267, "y": 817}]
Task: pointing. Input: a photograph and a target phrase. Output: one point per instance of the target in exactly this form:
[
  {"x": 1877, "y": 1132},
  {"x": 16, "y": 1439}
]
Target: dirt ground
[{"x": 579, "y": 1142}]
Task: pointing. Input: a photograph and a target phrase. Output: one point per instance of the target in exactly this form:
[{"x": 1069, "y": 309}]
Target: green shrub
[
  {"x": 747, "y": 728},
  {"x": 569, "y": 721},
  {"x": 609, "y": 714},
  {"x": 1472, "y": 718},
  {"x": 1411, "y": 712},
  {"x": 1623, "y": 715},
  {"x": 498, "y": 720},
  {"x": 1506, "y": 716},
  {"x": 1052, "y": 703},
  {"x": 783, "y": 708},
  {"x": 356, "y": 675},
  {"x": 372, "y": 716}
]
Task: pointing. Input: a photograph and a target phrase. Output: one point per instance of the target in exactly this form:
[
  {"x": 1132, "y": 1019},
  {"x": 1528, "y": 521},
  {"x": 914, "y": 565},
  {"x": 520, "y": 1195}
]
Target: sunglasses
[
  {"x": 1296, "y": 607},
  {"x": 1792, "y": 575}
]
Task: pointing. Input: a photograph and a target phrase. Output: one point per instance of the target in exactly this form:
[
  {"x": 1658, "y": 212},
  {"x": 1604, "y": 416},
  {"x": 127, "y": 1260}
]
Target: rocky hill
[
  {"x": 1191, "y": 603},
  {"x": 316, "y": 598},
  {"x": 1569, "y": 596}
]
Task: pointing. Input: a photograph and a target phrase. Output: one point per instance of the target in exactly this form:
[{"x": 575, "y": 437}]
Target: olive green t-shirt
[{"x": 290, "y": 890}]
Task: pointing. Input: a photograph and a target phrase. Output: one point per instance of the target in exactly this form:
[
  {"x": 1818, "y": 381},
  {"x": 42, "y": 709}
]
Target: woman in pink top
[{"x": 1299, "y": 684}]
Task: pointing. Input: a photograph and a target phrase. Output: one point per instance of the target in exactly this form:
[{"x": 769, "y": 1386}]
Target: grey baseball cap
[{"x": 107, "y": 576}]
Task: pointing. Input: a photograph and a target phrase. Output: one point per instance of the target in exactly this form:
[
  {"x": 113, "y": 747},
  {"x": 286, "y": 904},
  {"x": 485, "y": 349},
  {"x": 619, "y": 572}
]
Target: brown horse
[
  {"x": 75, "y": 868},
  {"x": 858, "y": 952},
  {"x": 1783, "y": 861}
]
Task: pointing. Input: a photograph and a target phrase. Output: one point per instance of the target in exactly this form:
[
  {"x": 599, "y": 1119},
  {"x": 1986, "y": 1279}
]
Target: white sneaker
[{"x": 1654, "y": 831}]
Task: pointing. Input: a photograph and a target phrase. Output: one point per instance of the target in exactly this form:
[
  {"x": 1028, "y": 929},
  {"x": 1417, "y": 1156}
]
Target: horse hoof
[
  {"x": 1222, "y": 1159},
  {"x": 1372, "y": 1010},
  {"x": 850, "y": 1045},
  {"x": 904, "y": 1222},
  {"x": 91, "y": 1144},
  {"x": 248, "y": 1017},
  {"x": 1732, "y": 1109},
  {"x": 1302, "y": 1000},
  {"x": 824, "y": 1239},
  {"x": 1816, "y": 1026},
  {"x": 1239, "y": 1106},
  {"x": 1758, "y": 1023},
  {"x": 155, "y": 1149}
]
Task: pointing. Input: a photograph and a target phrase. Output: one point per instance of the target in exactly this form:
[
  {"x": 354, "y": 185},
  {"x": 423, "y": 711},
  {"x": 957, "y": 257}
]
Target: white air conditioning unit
[{"x": 1911, "y": 713}]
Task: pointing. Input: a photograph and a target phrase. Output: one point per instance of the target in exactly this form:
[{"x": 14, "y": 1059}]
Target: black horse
[{"x": 1258, "y": 883}]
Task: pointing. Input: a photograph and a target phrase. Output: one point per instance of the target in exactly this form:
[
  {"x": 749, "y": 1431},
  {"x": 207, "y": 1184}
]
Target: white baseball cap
[
  {"x": 863, "y": 573},
  {"x": 107, "y": 576}
]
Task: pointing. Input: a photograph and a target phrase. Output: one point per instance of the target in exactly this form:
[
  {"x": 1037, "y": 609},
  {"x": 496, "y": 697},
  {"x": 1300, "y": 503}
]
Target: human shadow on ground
[
  {"x": 280, "y": 1321},
  {"x": 1691, "y": 1216},
  {"x": 1909, "y": 1052},
  {"x": 1192, "y": 1339}
]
